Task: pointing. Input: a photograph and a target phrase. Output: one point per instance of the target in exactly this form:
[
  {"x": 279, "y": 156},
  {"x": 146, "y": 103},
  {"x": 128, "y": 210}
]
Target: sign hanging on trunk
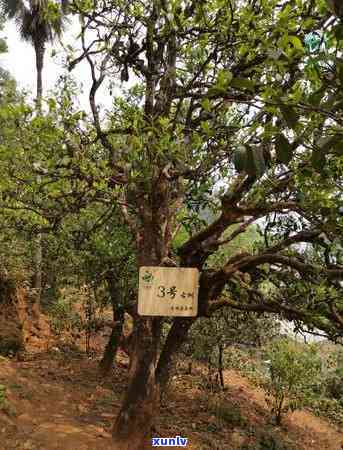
[{"x": 168, "y": 291}]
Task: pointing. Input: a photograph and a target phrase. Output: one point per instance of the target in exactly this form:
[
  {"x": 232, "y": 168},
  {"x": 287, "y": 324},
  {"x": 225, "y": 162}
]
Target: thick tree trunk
[
  {"x": 147, "y": 378},
  {"x": 176, "y": 337},
  {"x": 132, "y": 427},
  {"x": 147, "y": 373}
]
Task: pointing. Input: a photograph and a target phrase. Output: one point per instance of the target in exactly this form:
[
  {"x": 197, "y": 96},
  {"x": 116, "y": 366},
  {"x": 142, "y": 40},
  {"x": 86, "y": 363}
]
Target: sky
[{"x": 20, "y": 62}]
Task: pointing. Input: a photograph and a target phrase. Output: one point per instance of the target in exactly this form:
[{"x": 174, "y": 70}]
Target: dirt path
[
  {"x": 54, "y": 406},
  {"x": 56, "y": 402}
]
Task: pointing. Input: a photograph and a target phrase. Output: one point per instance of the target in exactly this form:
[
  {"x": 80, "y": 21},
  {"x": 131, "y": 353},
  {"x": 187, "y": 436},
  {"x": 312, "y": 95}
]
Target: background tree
[
  {"x": 210, "y": 338},
  {"x": 15, "y": 250},
  {"x": 39, "y": 22},
  {"x": 103, "y": 255}
]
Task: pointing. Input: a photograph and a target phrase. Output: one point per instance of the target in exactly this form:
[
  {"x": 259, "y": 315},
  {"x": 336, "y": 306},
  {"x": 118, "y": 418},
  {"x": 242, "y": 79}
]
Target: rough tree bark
[
  {"x": 111, "y": 348},
  {"x": 149, "y": 373},
  {"x": 132, "y": 427},
  {"x": 148, "y": 377},
  {"x": 176, "y": 337},
  {"x": 117, "y": 329}
]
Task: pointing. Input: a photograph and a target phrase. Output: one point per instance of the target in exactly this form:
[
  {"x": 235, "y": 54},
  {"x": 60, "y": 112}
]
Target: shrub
[
  {"x": 2, "y": 395},
  {"x": 226, "y": 412},
  {"x": 267, "y": 439},
  {"x": 334, "y": 384},
  {"x": 294, "y": 370},
  {"x": 330, "y": 409},
  {"x": 63, "y": 316},
  {"x": 10, "y": 346},
  {"x": 5, "y": 406}
]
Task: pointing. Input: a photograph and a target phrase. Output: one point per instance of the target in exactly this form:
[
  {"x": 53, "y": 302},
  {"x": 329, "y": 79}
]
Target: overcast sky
[{"x": 20, "y": 62}]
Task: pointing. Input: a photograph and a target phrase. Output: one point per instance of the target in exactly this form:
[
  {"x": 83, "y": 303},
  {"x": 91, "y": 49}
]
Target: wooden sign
[{"x": 168, "y": 291}]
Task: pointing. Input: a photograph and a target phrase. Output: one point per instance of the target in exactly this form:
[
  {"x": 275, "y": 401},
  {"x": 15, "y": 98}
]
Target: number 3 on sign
[{"x": 161, "y": 291}]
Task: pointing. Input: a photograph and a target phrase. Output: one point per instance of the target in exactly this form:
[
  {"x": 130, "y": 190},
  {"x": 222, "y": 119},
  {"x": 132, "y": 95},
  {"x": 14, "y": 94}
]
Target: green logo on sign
[{"x": 148, "y": 277}]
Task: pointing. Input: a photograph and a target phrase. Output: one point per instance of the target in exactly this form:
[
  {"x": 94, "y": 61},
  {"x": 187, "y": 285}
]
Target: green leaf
[
  {"x": 318, "y": 159},
  {"x": 52, "y": 104},
  {"x": 250, "y": 166},
  {"x": 214, "y": 91},
  {"x": 323, "y": 143},
  {"x": 284, "y": 149},
  {"x": 296, "y": 43},
  {"x": 205, "y": 127},
  {"x": 206, "y": 104},
  {"x": 3, "y": 46},
  {"x": 290, "y": 115},
  {"x": 222, "y": 83},
  {"x": 259, "y": 162},
  {"x": 240, "y": 158},
  {"x": 338, "y": 31},
  {"x": 316, "y": 97},
  {"x": 224, "y": 78},
  {"x": 331, "y": 144},
  {"x": 243, "y": 83}
]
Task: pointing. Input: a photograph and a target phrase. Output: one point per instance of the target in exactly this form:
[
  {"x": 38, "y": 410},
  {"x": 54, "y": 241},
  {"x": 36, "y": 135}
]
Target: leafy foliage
[
  {"x": 64, "y": 317},
  {"x": 293, "y": 373}
]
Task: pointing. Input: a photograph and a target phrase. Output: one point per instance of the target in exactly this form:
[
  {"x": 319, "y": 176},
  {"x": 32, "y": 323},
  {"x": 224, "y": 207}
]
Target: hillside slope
[{"x": 56, "y": 401}]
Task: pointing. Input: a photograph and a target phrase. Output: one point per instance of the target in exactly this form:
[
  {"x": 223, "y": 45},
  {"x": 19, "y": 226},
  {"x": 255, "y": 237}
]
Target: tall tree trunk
[
  {"x": 39, "y": 51},
  {"x": 37, "y": 257},
  {"x": 147, "y": 378},
  {"x": 132, "y": 427},
  {"x": 148, "y": 373}
]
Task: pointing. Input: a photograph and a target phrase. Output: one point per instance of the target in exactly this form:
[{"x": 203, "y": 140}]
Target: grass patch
[
  {"x": 226, "y": 412},
  {"x": 5, "y": 406},
  {"x": 268, "y": 439}
]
